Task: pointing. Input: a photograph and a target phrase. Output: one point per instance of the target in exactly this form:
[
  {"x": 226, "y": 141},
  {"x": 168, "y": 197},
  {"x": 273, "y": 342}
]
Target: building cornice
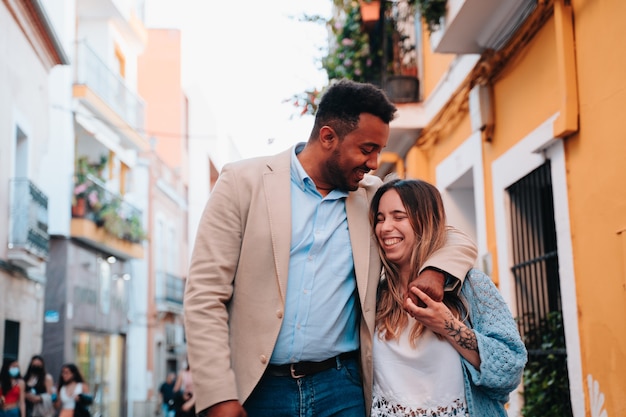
[{"x": 34, "y": 23}]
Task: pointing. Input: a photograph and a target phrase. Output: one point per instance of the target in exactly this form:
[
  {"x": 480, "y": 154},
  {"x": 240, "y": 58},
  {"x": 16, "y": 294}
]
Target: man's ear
[{"x": 328, "y": 137}]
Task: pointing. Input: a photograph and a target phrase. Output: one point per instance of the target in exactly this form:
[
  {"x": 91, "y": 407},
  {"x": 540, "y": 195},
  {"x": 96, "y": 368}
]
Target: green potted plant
[
  {"x": 349, "y": 55},
  {"x": 110, "y": 219},
  {"x": 384, "y": 54},
  {"x": 135, "y": 232},
  {"x": 432, "y": 12},
  {"x": 86, "y": 194}
]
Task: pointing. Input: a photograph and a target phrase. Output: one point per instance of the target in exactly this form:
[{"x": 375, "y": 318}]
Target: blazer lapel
[
  {"x": 277, "y": 185},
  {"x": 358, "y": 225}
]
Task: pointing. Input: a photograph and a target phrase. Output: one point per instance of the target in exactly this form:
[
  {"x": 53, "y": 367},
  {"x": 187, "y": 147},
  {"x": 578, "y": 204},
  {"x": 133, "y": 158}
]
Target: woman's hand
[
  {"x": 434, "y": 314},
  {"x": 438, "y": 318}
]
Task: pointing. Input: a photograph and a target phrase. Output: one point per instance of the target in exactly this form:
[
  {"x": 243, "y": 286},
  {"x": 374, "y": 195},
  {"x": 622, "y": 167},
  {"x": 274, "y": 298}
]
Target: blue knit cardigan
[{"x": 502, "y": 352}]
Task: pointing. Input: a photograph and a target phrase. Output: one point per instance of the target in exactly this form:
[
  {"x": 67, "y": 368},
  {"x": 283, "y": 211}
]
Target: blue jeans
[
  {"x": 336, "y": 392},
  {"x": 166, "y": 412},
  {"x": 14, "y": 412}
]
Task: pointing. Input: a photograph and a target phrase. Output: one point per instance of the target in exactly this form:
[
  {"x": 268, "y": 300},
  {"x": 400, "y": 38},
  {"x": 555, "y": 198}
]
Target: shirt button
[
  {"x": 279, "y": 314},
  {"x": 263, "y": 359}
]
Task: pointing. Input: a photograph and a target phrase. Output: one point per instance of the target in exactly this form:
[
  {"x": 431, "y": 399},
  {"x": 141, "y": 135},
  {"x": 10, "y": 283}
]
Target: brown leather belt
[{"x": 301, "y": 369}]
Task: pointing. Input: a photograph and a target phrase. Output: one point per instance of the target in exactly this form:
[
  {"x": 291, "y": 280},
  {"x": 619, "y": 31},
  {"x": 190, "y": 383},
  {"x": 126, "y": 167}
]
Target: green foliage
[
  {"x": 106, "y": 209},
  {"x": 114, "y": 219},
  {"x": 432, "y": 11},
  {"x": 134, "y": 229},
  {"x": 86, "y": 178},
  {"x": 350, "y": 55},
  {"x": 84, "y": 167},
  {"x": 546, "y": 383},
  {"x": 370, "y": 55}
]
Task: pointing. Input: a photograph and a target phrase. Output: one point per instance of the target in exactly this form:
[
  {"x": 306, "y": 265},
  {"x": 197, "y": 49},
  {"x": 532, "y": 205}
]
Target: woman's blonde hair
[{"x": 426, "y": 214}]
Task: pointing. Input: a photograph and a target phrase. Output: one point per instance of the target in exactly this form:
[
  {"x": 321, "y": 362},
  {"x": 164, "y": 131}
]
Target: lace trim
[{"x": 381, "y": 407}]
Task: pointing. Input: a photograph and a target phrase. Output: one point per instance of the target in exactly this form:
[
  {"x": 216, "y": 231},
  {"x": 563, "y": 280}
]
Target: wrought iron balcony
[
  {"x": 94, "y": 73},
  {"x": 170, "y": 290},
  {"x": 28, "y": 224}
]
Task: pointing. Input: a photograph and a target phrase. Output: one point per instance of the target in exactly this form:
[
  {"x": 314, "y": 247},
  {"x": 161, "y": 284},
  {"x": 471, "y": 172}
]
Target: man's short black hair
[{"x": 345, "y": 100}]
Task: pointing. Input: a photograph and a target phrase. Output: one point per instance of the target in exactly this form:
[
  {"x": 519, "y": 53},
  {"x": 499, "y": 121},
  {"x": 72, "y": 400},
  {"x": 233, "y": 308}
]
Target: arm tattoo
[{"x": 462, "y": 335}]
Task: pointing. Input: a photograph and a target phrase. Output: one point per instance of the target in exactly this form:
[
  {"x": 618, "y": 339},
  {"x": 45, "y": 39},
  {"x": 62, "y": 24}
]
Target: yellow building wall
[
  {"x": 435, "y": 65},
  {"x": 526, "y": 93},
  {"x": 597, "y": 194}
]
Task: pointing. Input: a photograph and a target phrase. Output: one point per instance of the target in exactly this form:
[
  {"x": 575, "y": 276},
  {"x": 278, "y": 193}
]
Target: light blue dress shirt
[{"x": 321, "y": 314}]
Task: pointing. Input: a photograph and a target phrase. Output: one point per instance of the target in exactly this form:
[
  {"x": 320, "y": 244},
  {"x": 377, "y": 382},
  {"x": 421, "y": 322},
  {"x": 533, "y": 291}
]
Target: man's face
[{"x": 357, "y": 154}]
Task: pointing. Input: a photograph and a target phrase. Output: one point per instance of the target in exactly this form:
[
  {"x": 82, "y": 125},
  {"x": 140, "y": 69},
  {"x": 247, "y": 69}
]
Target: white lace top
[{"x": 417, "y": 382}]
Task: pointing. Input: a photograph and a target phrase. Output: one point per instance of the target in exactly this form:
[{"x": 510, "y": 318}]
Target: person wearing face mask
[
  {"x": 39, "y": 389},
  {"x": 11, "y": 389}
]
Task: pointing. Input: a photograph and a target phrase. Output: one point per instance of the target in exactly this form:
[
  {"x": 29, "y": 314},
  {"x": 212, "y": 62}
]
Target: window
[
  {"x": 11, "y": 339},
  {"x": 538, "y": 295},
  {"x": 120, "y": 62}
]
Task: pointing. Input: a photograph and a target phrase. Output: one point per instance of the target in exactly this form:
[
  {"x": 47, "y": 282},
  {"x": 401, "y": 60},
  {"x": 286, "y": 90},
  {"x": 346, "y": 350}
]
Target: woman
[
  {"x": 71, "y": 385},
  {"x": 11, "y": 389},
  {"x": 184, "y": 382},
  {"x": 462, "y": 356},
  {"x": 39, "y": 389}
]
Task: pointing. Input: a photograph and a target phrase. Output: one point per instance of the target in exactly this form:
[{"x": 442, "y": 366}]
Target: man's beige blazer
[{"x": 235, "y": 292}]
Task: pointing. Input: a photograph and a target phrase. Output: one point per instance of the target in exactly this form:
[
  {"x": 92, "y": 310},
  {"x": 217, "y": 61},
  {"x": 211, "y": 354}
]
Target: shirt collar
[{"x": 300, "y": 177}]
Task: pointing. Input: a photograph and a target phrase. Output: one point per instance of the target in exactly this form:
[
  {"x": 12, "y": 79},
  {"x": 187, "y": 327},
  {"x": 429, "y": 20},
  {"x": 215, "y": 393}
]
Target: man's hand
[
  {"x": 224, "y": 409},
  {"x": 429, "y": 281}
]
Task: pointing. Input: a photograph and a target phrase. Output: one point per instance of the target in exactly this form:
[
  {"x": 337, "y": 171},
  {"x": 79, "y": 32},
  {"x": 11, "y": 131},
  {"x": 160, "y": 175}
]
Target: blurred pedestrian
[
  {"x": 166, "y": 394},
  {"x": 11, "y": 389},
  {"x": 184, "y": 382},
  {"x": 39, "y": 389},
  {"x": 184, "y": 404},
  {"x": 70, "y": 387}
]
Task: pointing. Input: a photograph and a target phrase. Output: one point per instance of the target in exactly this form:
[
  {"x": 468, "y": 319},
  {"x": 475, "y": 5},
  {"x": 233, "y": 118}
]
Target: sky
[{"x": 245, "y": 58}]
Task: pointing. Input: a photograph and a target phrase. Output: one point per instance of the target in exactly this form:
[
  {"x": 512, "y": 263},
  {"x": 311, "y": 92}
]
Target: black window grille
[{"x": 538, "y": 295}]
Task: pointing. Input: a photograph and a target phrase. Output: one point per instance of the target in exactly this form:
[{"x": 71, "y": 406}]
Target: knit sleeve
[{"x": 502, "y": 352}]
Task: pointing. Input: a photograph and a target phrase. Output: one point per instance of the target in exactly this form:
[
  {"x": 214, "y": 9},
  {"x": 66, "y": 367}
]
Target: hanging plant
[
  {"x": 370, "y": 55},
  {"x": 349, "y": 54},
  {"x": 432, "y": 11}
]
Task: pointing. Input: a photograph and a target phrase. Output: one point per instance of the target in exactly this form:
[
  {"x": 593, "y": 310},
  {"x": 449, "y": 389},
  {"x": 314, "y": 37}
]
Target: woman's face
[
  {"x": 393, "y": 229},
  {"x": 14, "y": 369},
  {"x": 67, "y": 375}
]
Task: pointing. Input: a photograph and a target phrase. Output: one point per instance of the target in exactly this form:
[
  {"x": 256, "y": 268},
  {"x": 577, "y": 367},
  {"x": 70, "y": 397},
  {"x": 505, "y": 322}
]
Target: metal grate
[{"x": 538, "y": 295}]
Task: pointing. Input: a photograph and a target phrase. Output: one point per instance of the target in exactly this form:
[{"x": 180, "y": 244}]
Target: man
[
  {"x": 166, "y": 392},
  {"x": 280, "y": 299}
]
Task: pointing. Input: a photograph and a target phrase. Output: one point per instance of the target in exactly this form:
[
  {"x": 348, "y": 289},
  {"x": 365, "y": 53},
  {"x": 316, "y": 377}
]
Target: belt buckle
[{"x": 292, "y": 369}]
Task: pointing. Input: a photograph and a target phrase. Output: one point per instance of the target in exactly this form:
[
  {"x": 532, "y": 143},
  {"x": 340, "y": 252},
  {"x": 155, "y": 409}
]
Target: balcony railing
[
  {"x": 28, "y": 223},
  {"x": 107, "y": 209},
  {"x": 93, "y": 72},
  {"x": 169, "y": 292}
]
